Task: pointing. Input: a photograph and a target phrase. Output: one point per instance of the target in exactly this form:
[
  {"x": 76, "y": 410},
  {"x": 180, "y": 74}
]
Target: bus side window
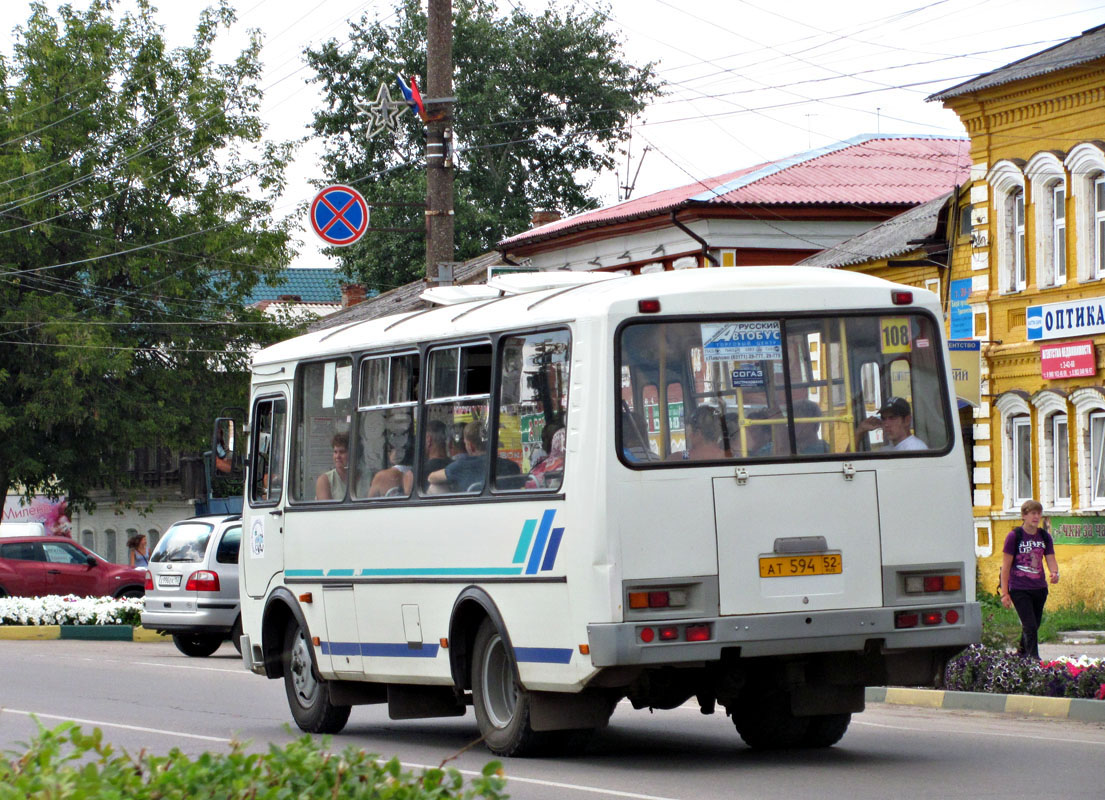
[
  {"x": 267, "y": 453},
  {"x": 533, "y": 411},
  {"x": 385, "y": 426},
  {"x": 322, "y": 421},
  {"x": 458, "y": 400}
]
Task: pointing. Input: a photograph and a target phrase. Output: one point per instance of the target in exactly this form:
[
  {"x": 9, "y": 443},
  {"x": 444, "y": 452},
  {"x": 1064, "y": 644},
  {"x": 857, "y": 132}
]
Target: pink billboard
[
  {"x": 1068, "y": 360},
  {"x": 53, "y": 514}
]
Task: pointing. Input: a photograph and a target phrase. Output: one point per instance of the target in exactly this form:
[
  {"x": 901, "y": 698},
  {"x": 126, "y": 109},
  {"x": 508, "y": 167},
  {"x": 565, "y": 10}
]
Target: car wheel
[
  {"x": 501, "y": 704},
  {"x": 197, "y": 645},
  {"x": 133, "y": 591},
  {"x": 236, "y": 635},
  {"x": 308, "y": 693}
]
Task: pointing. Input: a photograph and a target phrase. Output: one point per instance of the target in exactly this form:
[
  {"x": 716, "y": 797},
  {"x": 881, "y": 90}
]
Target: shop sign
[
  {"x": 1077, "y": 530},
  {"x": 962, "y": 319},
  {"x": 1065, "y": 320},
  {"x": 1068, "y": 360},
  {"x": 965, "y": 356}
]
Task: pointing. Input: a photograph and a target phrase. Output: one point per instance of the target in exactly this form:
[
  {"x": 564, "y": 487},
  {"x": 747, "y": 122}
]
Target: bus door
[{"x": 263, "y": 550}]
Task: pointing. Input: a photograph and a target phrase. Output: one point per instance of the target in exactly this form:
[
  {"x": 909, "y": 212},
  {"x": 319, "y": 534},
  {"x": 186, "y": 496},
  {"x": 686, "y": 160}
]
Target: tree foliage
[
  {"x": 135, "y": 217},
  {"x": 541, "y": 101}
]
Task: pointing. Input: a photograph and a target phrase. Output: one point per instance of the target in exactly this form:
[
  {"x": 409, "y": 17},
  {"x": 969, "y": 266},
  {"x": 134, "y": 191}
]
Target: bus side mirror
[{"x": 227, "y": 446}]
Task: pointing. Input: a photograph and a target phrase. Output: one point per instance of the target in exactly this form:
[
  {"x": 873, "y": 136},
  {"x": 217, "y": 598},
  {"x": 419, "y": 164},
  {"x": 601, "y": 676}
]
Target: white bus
[{"x": 691, "y": 496}]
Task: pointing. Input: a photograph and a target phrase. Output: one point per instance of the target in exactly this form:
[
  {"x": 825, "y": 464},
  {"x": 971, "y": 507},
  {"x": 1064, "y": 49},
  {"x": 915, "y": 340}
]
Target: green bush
[{"x": 67, "y": 763}]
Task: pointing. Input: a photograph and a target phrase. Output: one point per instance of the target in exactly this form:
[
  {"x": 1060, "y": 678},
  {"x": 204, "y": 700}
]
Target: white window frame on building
[
  {"x": 1086, "y": 164},
  {"x": 1051, "y": 412},
  {"x": 1049, "y": 186},
  {"x": 1015, "y": 413},
  {"x": 1006, "y": 178},
  {"x": 1089, "y": 404}
]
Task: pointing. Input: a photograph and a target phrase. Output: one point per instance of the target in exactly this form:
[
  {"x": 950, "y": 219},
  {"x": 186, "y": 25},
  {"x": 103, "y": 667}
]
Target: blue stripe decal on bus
[
  {"x": 340, "y": 573},
  {"x": 550, "y": 553},
  {"x": 340, "y": 648},
  {"x": 304, "y": 573},
  {"x": 431, "y": 571},
  {"x": 524, "y": 540},
  {"x": 398, "y": 650},
  {"x": 539, "y": 545},
  {"x": 544, "y": 655}
]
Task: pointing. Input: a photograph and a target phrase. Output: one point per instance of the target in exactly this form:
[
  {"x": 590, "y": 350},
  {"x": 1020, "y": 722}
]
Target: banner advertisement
[
  {"x": 53, "y": 514},
  {"x": 966, "y": 362},
  {"x": 1077, "y": 530},
  {"x": 962, "y": 320},
  {"x": 1065, "y": 320},
  {"x": 1068, "y": 360}
]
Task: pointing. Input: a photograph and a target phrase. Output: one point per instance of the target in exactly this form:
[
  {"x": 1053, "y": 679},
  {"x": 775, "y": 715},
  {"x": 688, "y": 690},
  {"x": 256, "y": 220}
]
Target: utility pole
[{"x": 439, "y": 131}]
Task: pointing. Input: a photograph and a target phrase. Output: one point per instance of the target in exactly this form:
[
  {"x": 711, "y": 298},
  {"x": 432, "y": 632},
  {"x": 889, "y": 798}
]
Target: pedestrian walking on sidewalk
[{"x": 1022, "y": 584}]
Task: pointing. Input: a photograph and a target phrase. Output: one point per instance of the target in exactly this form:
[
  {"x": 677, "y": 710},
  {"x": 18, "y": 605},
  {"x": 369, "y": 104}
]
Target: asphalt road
[{"x": 149, "y": 696}]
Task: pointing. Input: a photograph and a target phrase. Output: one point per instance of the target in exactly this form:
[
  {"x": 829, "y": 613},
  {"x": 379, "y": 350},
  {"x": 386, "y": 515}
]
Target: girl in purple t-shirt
[{"x": 1022, "y": 583}]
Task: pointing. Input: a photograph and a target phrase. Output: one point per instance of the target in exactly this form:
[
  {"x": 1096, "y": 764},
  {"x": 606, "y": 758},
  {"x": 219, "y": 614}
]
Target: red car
[{"x": 33, "y": 566}]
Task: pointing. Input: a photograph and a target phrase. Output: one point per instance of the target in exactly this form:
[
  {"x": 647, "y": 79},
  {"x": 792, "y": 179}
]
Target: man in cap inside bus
[{"x": 896, "y": 421}]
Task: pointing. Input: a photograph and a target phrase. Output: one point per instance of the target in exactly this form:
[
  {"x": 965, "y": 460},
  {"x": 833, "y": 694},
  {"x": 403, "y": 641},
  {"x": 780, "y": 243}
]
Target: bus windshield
[{"x": 801, "y": 387}]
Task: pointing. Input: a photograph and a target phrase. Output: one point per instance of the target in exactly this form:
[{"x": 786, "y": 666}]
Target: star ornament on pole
[{"x": 383, "y": 112}]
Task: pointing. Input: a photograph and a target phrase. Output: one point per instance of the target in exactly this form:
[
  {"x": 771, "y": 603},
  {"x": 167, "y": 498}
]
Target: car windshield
[{"x": 185, "y": 541}]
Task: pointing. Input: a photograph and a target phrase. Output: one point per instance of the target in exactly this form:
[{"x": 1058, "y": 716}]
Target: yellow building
[
  {"x": 1029, "y": 277},
  {"x": 1018, "y": 256}
]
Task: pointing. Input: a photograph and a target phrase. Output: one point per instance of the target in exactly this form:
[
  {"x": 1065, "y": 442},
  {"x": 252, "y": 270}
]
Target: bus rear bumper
[{"x": 759, "y": 635}]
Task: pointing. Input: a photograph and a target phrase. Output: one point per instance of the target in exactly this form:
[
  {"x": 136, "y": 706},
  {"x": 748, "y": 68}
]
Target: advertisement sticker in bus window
[
  {"x": 759, "y": 340},
  {"x": 894, "y": 335},
  {"x": 746, "y": 375}
]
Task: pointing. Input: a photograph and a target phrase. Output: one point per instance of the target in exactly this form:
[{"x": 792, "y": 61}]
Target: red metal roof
[{"x": 866, "y": 170}]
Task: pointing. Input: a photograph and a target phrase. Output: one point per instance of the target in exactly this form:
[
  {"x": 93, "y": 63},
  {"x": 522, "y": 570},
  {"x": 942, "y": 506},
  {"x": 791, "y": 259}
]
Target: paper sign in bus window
[
  {"x": 748, "y": 375},
  {"x": 759, "y": 340}
]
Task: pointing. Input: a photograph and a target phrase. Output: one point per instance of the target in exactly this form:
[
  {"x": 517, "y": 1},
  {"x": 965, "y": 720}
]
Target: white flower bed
[{"x": 67, "y": 610}]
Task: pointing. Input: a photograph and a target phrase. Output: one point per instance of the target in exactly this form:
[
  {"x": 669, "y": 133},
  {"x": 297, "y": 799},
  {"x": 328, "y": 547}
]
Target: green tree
[
  {"x": 133, "y": 223},
  {"x": 541, "y": 101}
]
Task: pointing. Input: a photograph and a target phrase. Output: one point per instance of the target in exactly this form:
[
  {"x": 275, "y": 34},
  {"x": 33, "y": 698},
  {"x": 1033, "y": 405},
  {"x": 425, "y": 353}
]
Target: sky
[{"x": 749, "y": 81}]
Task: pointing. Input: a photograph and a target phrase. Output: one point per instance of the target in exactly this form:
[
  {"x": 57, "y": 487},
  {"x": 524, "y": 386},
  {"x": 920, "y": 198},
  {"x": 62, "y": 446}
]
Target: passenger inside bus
[
  {"x": 331, "y": 484},
  {"x": 896, "y": 421},
  {"x": 759, "y": 437},
  {"x": 550, "y": 471},
  {"x": 806, "y": 437},
  {"x": 396, "y": 479},
  {"x": 435, "y": 454},
  {"x": 465, "y": 473},
  {"x": 703, "y": 432}
]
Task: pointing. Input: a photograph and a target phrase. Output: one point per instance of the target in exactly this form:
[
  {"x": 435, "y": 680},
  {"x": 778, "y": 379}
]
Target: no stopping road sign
[{"x": 339, "y": 215}]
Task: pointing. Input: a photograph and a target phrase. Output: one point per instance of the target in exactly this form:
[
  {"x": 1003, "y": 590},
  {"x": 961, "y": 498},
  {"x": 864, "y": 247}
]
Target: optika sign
[{"x": 1062, "y": 320}]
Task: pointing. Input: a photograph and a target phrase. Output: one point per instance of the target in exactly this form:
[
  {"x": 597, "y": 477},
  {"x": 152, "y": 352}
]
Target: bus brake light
[
  {"x": 697, "y": 633},
  {"x": 901, "y": 298}
]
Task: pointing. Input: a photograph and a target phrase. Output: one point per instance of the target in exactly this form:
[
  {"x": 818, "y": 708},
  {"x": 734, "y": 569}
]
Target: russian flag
[{"x": 412, "y": 96}]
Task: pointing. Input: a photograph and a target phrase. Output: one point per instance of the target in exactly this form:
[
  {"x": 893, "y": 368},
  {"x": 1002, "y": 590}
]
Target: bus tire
[
  {"x": 825, "y": 730},
  {"x": 308, "y": 693},
  {"x": 767, "y": 723},
  {"x": 501, "y": 704}
]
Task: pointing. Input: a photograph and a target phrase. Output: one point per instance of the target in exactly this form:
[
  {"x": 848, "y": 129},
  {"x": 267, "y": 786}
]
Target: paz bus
[{"x": 555, "y": 492}]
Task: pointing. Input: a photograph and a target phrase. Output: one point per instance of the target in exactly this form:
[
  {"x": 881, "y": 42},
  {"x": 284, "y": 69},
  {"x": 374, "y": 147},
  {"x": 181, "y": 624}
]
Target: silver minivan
[{"x": 192, "y": 584}]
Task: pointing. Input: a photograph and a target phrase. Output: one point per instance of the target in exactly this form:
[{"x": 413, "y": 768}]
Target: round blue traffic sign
[{"x": 339, "y": 215}]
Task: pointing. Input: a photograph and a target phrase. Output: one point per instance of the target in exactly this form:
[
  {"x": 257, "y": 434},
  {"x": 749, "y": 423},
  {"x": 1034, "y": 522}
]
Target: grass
[{"x": 1001, "y": 628}]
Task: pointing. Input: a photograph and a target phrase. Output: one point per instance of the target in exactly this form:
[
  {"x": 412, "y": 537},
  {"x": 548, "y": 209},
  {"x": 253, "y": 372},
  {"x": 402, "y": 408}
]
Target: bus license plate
[
  {"x": 169, "y": 580},
  {"x": 797, "y": 566}
]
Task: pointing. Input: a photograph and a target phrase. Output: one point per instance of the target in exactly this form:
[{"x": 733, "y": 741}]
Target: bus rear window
[{"x": 781, "y": 388}]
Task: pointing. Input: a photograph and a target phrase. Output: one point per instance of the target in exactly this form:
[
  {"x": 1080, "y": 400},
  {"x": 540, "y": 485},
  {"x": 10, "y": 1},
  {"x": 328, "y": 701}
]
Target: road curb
[
  {"x": 116, "y": 633},
  {"x": 1054, "y": 707}
]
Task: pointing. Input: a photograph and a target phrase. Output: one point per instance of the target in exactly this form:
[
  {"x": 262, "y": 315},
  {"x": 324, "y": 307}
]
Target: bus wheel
[
  {"x": 308, "y": 694},
  {"x": 767, "y": 723},
  {"x": 825, "y": 730},
  {"x": 501, "y": 705}
]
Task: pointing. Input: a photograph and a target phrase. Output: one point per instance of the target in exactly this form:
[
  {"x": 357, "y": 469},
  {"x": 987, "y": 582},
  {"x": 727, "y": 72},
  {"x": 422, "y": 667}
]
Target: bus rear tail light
[
  {"x": 647, "y": 635},
  {"x": 149, "y": 582},
  {"x": 649, "y": 306},
  {"x": 697, "y": 633},
  {"x": 658, "y": 598},
  {"x": 931, "y": 618},
  {"x": 900, "y": 298},
  {"x": 905, "y": 619},
  {"x": 202, "y": 580},
  {"x": 930, "y": 584},
  {"x": 669, "y": 633},
  {"x": 951, "y": 616}
]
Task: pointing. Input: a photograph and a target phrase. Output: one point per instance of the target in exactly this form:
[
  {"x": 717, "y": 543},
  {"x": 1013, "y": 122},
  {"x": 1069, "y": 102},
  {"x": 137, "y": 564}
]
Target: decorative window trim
[
  {"x": 1048, "y": 403},
  {"x": 1045, "y": 173},
  {"x": 1006, "y": 178},
  {"x": 1086, "y": 162},
  {"x": 1086, "y": 401},
  {"x": 1009, "y": 405}
]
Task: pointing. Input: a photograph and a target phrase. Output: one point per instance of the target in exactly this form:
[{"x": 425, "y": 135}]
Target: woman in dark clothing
[{"x": 1022, "y": 583}]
